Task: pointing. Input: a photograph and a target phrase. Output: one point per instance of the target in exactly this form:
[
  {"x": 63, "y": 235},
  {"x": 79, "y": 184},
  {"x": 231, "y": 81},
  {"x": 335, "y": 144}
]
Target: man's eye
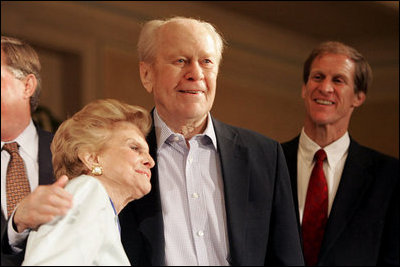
[
  {"x": 317, "y": 78},
  {"x": 135, "y": 148}
]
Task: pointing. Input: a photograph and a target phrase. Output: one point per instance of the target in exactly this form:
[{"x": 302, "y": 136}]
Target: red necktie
[
  {"x": 17, "y": 184},
  {"x": 315, "y": 211}
]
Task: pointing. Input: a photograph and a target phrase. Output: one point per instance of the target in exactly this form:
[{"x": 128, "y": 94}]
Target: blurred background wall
[{"x": 88, "y": 51}]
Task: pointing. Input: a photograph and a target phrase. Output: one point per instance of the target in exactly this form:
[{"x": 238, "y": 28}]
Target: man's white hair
[{"x": 147, "y": 43}]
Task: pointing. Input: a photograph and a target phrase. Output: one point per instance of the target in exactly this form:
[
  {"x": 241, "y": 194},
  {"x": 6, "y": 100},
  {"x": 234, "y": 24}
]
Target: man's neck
[
  {"x": 11, "y": 132},
  {"x": 187, "y": 127},
  {"x": 324, "y": 135}
]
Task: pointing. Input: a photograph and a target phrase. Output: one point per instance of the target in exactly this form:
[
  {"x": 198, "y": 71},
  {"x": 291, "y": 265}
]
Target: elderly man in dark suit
[
  {"x": 347, "y": 195},
  {"x": 221, "y": 195},
  {"x": 25, "y": 147}
]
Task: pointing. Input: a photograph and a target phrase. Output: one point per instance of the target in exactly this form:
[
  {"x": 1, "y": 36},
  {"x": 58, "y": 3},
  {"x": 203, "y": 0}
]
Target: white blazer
[{"x": 87, "y": 235}]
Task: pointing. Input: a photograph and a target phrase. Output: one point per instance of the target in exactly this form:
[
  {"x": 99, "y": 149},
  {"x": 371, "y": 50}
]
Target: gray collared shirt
[{"x": 192, "y": 197}]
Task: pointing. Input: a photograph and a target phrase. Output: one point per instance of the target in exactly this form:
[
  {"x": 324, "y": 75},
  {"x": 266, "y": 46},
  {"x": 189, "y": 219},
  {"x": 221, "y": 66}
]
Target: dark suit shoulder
[
  {"x": 246, "y": 136},
  {"x": 291, "y": 146},
  {"x": 374, "y": 153},
  {"x": 45, "y": 157},
  {"x": 291, "y": 142},
  {"x": 374, "y": 157},
  {"x": 45, "y": 134}
]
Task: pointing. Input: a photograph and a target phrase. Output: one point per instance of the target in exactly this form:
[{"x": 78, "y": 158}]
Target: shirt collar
[
  {"x": 27, "y": 140},
  {"x": 163, "y": 132},
  {"x": 334, "y": 151}
]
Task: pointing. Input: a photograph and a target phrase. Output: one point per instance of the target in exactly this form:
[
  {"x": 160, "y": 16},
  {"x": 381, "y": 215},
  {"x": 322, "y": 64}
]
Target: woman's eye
[{"x": 338, "y": 80}]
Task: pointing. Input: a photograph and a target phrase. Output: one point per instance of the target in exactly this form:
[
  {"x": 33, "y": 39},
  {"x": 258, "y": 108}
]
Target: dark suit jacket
[
  {"x": 363, "y": 226},
  {"x": 45, "y": 177},
  {"x": 261, "y": 219}
]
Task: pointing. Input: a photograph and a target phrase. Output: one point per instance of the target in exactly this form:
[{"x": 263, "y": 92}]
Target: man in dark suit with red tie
[
  {"x": 25, "y": 153},
  {"x": 346, "y": 195}
]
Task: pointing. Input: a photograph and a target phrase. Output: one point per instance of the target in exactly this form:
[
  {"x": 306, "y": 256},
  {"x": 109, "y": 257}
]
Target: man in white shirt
[
  {"x": 20, "y": 90},
  {"x": 360, "y": 224}
]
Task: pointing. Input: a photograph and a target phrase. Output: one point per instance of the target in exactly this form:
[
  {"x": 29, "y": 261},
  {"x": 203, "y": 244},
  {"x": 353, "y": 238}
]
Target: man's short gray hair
[{"x": 147, "y": 43}]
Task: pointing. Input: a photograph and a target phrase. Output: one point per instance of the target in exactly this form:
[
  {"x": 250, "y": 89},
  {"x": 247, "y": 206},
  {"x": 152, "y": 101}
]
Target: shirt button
[
  {"x": 176, "y": 138},
  {"x": 190, "y": 160},
  {"x": 195, "y": 195},
  {"x": 200, "y": 233}
]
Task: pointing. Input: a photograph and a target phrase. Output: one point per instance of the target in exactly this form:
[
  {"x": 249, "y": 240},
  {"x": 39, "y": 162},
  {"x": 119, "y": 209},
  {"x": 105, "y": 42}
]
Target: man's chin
[
  {"x": 321, "y": 120},
  {"x": 193, "y": 112}
]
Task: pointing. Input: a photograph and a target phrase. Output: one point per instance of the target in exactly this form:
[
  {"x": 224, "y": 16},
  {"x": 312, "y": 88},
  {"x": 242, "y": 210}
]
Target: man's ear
[
  {"x": 303, "y": 91},
  {"x": 359, "y": 99},
  {"x": 30, "y": 83},
  {"x": 146, "y": 75},
  {"x": 89, "y": 159}
]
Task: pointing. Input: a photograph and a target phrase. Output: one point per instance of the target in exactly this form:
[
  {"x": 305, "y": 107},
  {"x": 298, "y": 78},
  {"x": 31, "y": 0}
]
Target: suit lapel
[
  {"x": 290, "y": 150},
  {"x": 235, "y": 173},
  {"x": 149, "y": 211},
  {"x": 352, "y": 188}
]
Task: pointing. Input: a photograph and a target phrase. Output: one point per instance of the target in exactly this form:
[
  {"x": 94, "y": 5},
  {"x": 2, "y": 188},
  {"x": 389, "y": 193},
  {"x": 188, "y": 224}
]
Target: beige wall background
[{"x": 88, "y": 51}]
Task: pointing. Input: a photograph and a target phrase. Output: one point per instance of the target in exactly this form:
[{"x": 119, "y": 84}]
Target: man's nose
[
  {"x": 327, "y": 86},
  {"x": 194, "y": 72}
]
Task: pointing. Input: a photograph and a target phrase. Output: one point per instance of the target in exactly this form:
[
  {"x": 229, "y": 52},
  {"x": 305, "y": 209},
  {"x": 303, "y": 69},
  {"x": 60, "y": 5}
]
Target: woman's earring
[{"x": 97, "y": 170}]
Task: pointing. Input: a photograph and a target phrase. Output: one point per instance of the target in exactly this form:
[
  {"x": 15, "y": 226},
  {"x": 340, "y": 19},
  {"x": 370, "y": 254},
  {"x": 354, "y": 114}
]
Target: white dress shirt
[
  {"x": 88, "y": 234},
  {"x": 28, "y": 142},
  {"x": 192, "y": 197},
  {"x": 333, "y": 167}
]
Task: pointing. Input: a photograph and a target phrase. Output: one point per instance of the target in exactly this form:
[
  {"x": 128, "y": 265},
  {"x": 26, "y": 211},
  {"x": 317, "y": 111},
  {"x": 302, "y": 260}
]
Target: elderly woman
[{"x": 103, "y": 150}]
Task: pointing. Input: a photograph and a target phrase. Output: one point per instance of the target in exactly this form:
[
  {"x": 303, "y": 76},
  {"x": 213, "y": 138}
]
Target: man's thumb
[{"x": 62, "y": 181}]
